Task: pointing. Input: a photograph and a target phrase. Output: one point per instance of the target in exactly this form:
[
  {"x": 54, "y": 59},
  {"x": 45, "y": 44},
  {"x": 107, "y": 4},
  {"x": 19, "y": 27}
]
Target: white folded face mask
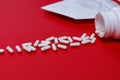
[{"x": 80, "y": 9}]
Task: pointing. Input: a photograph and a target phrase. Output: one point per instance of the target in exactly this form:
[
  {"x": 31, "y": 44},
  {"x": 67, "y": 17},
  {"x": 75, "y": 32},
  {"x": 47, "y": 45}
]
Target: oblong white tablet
[
  {"x": 36, "y": 43},
  {"x": 61, "y": 46},
  {"x": 54, "y": 47},
  {"x": 45, "y": 48},
  {"x": 2, "y": 50},
  {"x": 18, "y": 48},
  {"x": 74, "y": 44},
  {"x": 76, "y": 38},
  {"x": 56, "y": 40},
  {"x": 9, "y": 49},
  {"x": 64, "y": 41},
  {"x": 70, "y": 39},
  {"x": 50, "y": 38}
]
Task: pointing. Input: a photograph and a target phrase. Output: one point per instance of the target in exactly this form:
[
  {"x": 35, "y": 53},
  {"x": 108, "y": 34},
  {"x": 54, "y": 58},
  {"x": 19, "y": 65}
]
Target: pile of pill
[{"x": 54, "y": 43}]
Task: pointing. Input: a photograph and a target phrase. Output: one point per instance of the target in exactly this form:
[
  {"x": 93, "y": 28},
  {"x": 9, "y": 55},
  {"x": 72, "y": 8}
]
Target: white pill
[
  {"x": 2, "y": 50},
  {"x": 36, "y": 43},
  {"x": 83, "y": 35},
  {"x": 50, "y": 38},
  {"x": 9, "y": 49},
  {"x": 93, "y": 40},
  {"x": 56, "y": 40},
  {"x": 64, "y": 41},
  {"x": 74, "y": 44},
  {"x": 70, "y": 39},
  {"x": 46, "y": 42},
  {"x": 63, "y": 37},
  {"x": 76, "y": 38},
  {"x": 85, "y": 41},
  {"x": 32, "y": 48},
  {"x": 54, "y": 47},
  {"x": 61, "y": 46},
  {"x": 45, "y": 48},
  {"x": 25, "y": 44},
  {"x": 85, "y": 38},
  {"x": 42, "y": 44},
  {"x": 92, "y": 35},
  {"x": 26, "y": 48},
  {"x": 101, "y": 34},
  {"x": 18, "y": 48}
]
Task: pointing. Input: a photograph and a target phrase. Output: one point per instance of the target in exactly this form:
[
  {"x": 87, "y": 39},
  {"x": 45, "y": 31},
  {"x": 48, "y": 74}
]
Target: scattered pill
[
  {"x": 101, "y": 34},
  {"x": 70, "y": 39},
  {"x": 92, "y": 35},
  {"x": 2, "y": 50},
  {"x": 64, "y": 41},
  {"x": 45, "y": 48},
  {"x": 36, "y": 43},
  {"x": 61, "y": 46},
  {"x": 63, "y": 38},
  {"x": 74, "y": 44},
  {"x": 54, "y": 47},
  {"x": 26, "y": 48},
  {"x": 46, "y": 42},
  {"x": 18, "y": 48},
  {"x": 9, "y": 49},
  {"x": 93, "y": 40},
  {"x": 25, "y": 44},
  {"x": 85, "y": 41},
  {"x": 42, "y": 44},
  {"x": 85, "y": 38},
  {"x": 56, "y": 40},
  {"x": 76, "y": 38},
  {"x": 83, "y": 35},
  {"x": 32, "y": 48},
  {"x": 50, "y": 38}
]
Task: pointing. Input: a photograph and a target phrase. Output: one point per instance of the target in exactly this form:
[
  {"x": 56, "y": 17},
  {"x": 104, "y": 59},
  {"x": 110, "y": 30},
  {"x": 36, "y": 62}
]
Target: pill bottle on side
[{"x": 107, "y": 24}]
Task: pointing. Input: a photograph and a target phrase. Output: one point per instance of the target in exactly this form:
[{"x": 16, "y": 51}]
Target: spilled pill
[
  {"x": 42, "y": 44},
  {"x": 54, "y": 47},
  {"x": 45, "y": 48},
  {"x": 70, "y": 39},
  {"x": 36, "y": 43},
  {"x": 56, "y": 40},
  {"x": 92, "y": 35},
  {"x": 64, "y": 41},
  {"x": 85, "y": 41},
  {"x": 76, "y": 38},
  {"x": 85, "y": 38},
  {"x": 18, "y": 48},
  {"x": 83, "y": 35},
  {"x": 93, "y": 40},
  {"x": 50, "y": 38},
  {"x": 63, "y": 38},
  {"x": 25, "y": 44},
  {"x": 46, "y": 42},
  {"x": 9, "y": 49},
  {"x": 74, "y": 44},
  {"x": 2, "y": 50},
  {"x": 61, "y": 46},
  {"x": 32, "y": 48},
  {"x": 26, "y": 48}
]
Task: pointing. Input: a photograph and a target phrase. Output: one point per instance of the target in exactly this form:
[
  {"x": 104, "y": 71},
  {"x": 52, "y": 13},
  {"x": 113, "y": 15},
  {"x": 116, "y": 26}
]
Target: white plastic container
[{"x": 107, "y": 24}]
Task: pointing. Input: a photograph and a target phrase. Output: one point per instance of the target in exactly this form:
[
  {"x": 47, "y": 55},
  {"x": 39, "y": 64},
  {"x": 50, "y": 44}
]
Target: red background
[{"x": 24, "y": 21}]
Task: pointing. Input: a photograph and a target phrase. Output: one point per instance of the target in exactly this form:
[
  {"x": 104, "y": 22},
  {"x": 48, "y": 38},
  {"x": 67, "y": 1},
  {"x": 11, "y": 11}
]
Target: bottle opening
[{"x": 100, "y": 25}]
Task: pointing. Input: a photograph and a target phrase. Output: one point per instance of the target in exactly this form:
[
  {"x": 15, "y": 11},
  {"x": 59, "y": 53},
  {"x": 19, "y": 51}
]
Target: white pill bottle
[{"x": 107, "y": 24}]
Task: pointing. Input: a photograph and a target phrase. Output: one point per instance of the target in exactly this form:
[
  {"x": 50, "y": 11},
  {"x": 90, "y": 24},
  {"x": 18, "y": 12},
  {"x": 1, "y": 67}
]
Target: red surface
[{"x": 24, "y": 21}]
